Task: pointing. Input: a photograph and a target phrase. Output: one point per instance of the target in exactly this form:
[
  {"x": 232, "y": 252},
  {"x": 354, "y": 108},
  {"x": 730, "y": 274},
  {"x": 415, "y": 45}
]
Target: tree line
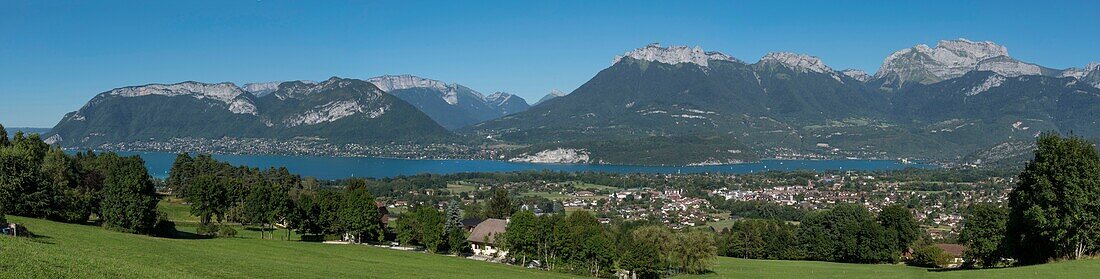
[
  {"x": 42, "y": 181},
  {"x": 845, "y": 233},
  {"x": 1053, "y": 213},
  {"x": 219, "y": 193},
  {"x": 573, "y": 243}
]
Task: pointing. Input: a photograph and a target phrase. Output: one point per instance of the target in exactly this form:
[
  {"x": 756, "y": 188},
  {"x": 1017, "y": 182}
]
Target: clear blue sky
[{"x": 55, "y": 56}]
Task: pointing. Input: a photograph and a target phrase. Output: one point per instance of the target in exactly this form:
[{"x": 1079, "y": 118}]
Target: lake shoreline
[{"x": 159, "y": 163}]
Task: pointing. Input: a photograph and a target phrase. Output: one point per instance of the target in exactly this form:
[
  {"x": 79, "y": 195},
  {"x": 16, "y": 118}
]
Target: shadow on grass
[
  {"x": 967, "y": 268},
  {"x": 190, "y": 235}
]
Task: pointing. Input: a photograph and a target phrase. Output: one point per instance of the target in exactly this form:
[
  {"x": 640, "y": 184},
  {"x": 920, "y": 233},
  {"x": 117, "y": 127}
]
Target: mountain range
[{"x": 960, "y": 101}]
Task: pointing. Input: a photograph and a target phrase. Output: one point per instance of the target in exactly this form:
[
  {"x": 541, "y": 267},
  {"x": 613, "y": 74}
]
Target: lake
[{"x": 342, "y": 167}]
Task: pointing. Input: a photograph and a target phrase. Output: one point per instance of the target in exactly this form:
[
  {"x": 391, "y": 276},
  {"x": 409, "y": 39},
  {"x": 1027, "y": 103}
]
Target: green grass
[
  {"x": 176, "y": 211},
  {"x": 589, "y": 186},
  {"x": 741, "y": 268},
  {"x": 461, "y": 187},
  {"x": 81, "y": 251}
]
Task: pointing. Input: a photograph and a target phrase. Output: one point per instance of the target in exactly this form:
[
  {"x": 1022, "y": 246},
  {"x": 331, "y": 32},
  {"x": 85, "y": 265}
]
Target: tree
[
  {"x": 521, "y": 236},
  {"x": 209, "y": 200},
  {"x": 259, "y": 207},
  {"x": 71, "y": 202},
  {"x": 129, "y": 199},
  {"x": 983, "y": 231},
  {"x": 180, "y": 174},
  {"x": 585, "y": 244},
  {"x": 4, "y": 136},
  {"x": 308, "y": 216},
  {"x": 1055, "y": 207},
  {"x": 641, "y": 259},
  {"x": 454, "y": 234},
  {"x": 695, "y": 251},
  {"x": 660, "y": 237},
  {"x": 430, "y": 224},
  {"x": 359, "y": 216},
  {"x": 845, "y": 233},
  {"x": 900, "y": 227},
  {"x": 500, "y": 205},
  {"x": 22, "y": 186},
  {"x": 929, "y": 256}
]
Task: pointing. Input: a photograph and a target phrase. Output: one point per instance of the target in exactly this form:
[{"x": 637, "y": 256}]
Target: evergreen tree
[
  {"x": 455, "y": 234},
  {"x": 4, "y": 136},
  {"x": 1055, "y": 207},
  {"x": 180, "y": 175},
  {"x": 500, "y": 206}
]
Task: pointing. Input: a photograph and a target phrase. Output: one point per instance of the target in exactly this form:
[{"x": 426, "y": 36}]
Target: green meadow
[{"x": 81, "y": 251}]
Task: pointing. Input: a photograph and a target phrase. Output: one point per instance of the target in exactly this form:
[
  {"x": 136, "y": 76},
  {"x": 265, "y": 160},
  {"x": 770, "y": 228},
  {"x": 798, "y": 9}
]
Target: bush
[
  {"x": 207, "y": 229},
  {"x": 227, "y": 231},
  {"x": 929, "y": 256}
]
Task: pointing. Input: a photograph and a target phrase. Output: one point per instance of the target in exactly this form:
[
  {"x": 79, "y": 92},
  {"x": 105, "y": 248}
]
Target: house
[
  {"x": 584, "y": 194},
  {"x": 483, "y": 239},
  {"x": 955, "y": 251}
]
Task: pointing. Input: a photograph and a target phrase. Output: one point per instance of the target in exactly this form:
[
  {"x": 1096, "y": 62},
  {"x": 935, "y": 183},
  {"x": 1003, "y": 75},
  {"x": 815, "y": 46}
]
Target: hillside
[
  {"x": 337, "y": 110},
  {"x": 962, "y": 101},
  {"x": 78, "y": 251}
]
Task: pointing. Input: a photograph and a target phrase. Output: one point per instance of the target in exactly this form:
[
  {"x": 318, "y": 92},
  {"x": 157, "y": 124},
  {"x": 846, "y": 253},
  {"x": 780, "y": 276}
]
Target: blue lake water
[{"x": 342, "y": 167}]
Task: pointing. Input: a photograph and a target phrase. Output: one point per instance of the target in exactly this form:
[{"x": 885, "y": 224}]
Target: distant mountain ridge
[
  {"x": 942, "y": 103},
  {"x": 338, "y": 110},
  {"x": 451, "y": 105},
  {"x": 961, "y": 101}
]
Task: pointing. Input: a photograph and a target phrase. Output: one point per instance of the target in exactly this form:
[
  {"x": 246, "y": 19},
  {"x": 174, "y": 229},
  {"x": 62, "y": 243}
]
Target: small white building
[{"x": 483, "y": 239}]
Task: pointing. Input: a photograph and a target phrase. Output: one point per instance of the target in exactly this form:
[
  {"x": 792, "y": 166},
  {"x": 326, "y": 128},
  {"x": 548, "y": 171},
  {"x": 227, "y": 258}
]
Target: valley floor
[{"x": 79, "y": 251}]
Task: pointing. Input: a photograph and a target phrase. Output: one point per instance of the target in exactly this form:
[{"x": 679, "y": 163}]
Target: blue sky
[{"x": 54, "y": 56}]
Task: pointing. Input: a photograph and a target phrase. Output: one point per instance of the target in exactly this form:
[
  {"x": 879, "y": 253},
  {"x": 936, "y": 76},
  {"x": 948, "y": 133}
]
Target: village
[{"x": 938, "y": 205}]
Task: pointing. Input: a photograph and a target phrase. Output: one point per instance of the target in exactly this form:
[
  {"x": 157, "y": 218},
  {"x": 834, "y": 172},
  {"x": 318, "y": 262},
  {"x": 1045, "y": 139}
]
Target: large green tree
[
  {"x": 1055, "y": 207},
  {"x": 900, "y": 226},
  {"x": 500, "y": 205},
  {"x": 695, "y": 251},
  {"x": 521, "y": 236},
  {"x": 983, "y": 232},
  {"x": 129, "y": 199},
  {"x": 845, "y": 233},
  {"x": 209, "y": 198},
  {"x": 359, "y": 216}
]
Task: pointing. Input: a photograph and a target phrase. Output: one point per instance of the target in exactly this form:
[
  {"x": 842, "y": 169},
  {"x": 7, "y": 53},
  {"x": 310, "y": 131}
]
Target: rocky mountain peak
[
  {"x": 949, "y": 59},
  {"x": 799, "y": 62},
  {"x": 859, "y": 75},
  {"x": 674, "y": 55}
]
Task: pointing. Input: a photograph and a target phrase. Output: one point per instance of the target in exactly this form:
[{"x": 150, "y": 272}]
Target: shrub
[
  {"x": 929, "y": 256},
  {"x": 227, "y": 231}
]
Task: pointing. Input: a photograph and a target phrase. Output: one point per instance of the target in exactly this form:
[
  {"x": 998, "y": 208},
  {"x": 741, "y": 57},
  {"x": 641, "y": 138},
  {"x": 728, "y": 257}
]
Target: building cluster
[
  {"x": 305, "y": 146},
  {"x": 940, "y": 205}
]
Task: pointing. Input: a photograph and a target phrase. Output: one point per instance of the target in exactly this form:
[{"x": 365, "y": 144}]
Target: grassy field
[
  {"x": 740, "y": 268},
  {"x": 80, "y": 251}
]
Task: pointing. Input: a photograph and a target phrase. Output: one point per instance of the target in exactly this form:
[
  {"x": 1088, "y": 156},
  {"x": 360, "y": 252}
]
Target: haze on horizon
[{"x": 56, "y": 56}]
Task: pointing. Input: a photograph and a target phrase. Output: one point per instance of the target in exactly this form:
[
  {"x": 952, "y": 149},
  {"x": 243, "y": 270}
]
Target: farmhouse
[
  {"x": 955, "y": 251},
  {"x": 483, "y": 239}
]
